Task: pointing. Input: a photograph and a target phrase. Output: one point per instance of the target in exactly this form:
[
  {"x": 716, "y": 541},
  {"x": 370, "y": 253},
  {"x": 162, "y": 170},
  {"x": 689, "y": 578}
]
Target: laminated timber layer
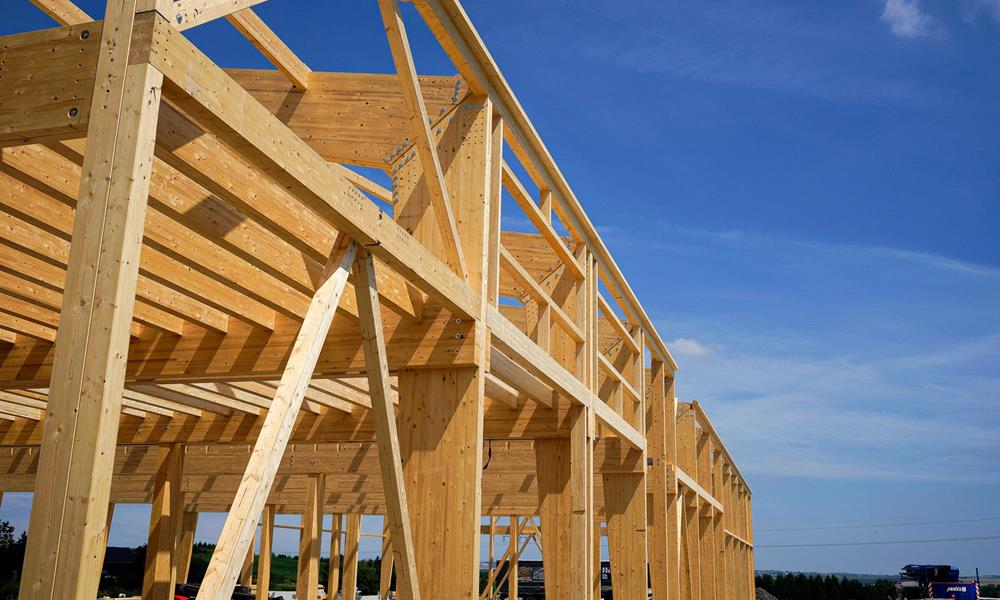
[{"x": 202, "y": 308}]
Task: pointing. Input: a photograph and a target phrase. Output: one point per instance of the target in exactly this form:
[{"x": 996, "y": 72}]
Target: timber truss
[{"x": 203, "y": 308}]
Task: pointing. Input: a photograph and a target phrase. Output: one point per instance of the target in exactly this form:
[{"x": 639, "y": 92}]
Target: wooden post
[
  {"x": 69, "y": 508},
  {"x": 441, "y": 421},
  {"x": 690, "y": 505},
  {"x": 333, "y": 575},
  {"x": 164, "y": 522},
  {"x": 491, "y": 570},
  {"x": 107, "y": 531},
  {"x": 246, "y": 573},
  {"x": 566, "y": 526},
  {"x": 266, "y": 542},
  {"x": 441, "y": 410},
  {"x": 662, "y": 572},
  {"x": 706, "y": 543},
  {"x": 385, "y": 571},
  {"x": 307, "y": 582},
  {"x": 185, "y": 546},
  {"x": 351, "y": 543},
  {"x": 513, "y": 554},
  {"x": 625, "y": 507},
  {"x": 237, "y": 533},
  {"x": 595, "y": 575}
]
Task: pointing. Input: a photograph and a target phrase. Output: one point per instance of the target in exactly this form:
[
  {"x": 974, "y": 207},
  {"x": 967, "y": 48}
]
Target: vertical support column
[
  {"x": 266, "y": 544},
  {"x": 718, "y": 529},
  {"x": 441, "y": 438},
  {"x": 307, "y": 582},
  {"x": 69, "y": 509},
  {"x": 441, "y": 410},
  {"x": 706, "y": 545},
  {"x": 625, "y": 510},
  {"x": 107, "y": 532},
  {"x": 164, "y": 522},
  {"x": 662, "y": 562},
  {"x": 690, "y": 504},
  {"x": 595, "y": 560},
  {"x": 493, "y": 222},
  {"x": 333, "y": 576},
  {"x": 552, "y": 458},
  {"x": 749, "y": 538},
  {"x": 513, "y": 555},
  {"x": 492, "y": 566},
  {"x": 385, "y": 571},
  {"x": 351, "y": 543},
  {"x": 563, "y": 468},
  {"x": 246, "y": 573},
  {"x": 706, "y": 539},
  {"x": 185, "y": 546},
  {"x": 728, "y": 518}
]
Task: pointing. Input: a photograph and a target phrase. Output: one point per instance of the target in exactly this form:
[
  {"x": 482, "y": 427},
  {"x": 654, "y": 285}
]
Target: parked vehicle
[{"x": 934, "y": 581}]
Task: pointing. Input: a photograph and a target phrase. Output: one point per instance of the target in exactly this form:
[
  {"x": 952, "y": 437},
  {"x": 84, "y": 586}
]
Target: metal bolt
[
  {"x": 180, "y": 18},
  {"x": 458, "y": 336},
  {"x": 73, "y": 112},
  {"x": 84, "y": 34}
]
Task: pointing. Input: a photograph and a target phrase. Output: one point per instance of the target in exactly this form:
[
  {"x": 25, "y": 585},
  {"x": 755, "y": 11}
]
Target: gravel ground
[{"x": 763, "y": 594}]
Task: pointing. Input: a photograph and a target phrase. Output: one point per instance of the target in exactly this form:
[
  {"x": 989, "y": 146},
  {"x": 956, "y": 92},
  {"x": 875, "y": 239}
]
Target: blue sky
[{"x": 804, "y": 194}]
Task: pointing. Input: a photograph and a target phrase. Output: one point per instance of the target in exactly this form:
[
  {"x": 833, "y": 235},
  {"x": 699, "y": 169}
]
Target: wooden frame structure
[{"x": 203, "y": 308}]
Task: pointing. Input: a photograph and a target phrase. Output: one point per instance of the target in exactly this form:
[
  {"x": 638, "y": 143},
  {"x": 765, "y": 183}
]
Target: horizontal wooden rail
[
  {"x": 738, "y": 538},
  {"x": 536, "y": 361},
  {"x": 692, "y": 485}
]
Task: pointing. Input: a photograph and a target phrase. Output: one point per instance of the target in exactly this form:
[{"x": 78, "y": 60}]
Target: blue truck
[{"x": 934, "y": 581}]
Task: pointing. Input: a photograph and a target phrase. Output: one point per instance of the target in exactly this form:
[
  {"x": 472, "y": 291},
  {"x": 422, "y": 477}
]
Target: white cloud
[
  {"x": 971, "y": 8},
  {"x": 688, "y": 347},
  {"x": 907, "y": 20}
]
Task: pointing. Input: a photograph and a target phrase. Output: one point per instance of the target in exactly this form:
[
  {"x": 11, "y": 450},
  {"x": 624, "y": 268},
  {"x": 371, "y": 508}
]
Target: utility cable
[{"x": 880, "y": 543}]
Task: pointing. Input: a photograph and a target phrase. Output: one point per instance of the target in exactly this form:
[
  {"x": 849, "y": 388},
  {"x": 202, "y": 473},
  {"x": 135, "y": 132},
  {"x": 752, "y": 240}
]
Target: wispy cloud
[
  {"x": 689, "y": 347},
  {"x": 786, "y": 48},
  {"x": 972, "y": 8},
  {"x": 906, "y": 19},
  {"x": 738, "y": 236},
  {"x": 844, "y": 417},
  {"x": 845, "y": 359}
]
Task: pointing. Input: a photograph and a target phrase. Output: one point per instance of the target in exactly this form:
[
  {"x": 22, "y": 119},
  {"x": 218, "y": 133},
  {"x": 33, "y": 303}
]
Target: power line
[
  {"x": 880, "y": 543},
  {"x": 882, "y": 525}
]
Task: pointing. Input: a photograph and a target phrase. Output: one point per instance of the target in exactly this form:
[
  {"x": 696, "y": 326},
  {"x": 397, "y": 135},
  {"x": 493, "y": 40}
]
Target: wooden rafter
[{"x": 270, "y": 45}]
